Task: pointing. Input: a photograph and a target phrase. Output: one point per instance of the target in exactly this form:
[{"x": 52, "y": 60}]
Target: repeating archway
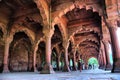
[
  {"x": 20, "y": 51},
  {"x": 54, "y": 58},
  {"x": 1, "y": 49},
  {"x": 28, "y": 32},
  {"x": 44, "y": 9},
  {"x": 41, "y": 56},
  {"x": 92, "y": 62}
]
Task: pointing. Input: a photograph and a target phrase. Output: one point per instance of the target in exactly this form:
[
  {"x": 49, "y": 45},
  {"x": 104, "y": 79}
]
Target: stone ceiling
[{"x": 79, "y": 19}]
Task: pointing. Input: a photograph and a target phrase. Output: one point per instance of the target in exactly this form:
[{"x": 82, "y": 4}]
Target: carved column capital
[
  {"x": 74, "y": 48},
  {"x": 111, "y": 23},
  {"x": 35, "y": 46},
  {"x": 8, "y": 39},
  {"x": 48, "y": 32},
  {"x": 65, "y": 43},
  {"x": 104, "y": 41}
]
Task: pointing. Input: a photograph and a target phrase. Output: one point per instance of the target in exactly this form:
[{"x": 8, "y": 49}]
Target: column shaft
[
  {"x": 74, "y": 61},
  {"x": 115, "y": 48},
  {"x": 66, "y": 66},
  {"x": 6, "y": 54},
  {"x": 34, "y": 59},
  {"x": 48, "y": 69},
  {"x": 108, "y": 64}
]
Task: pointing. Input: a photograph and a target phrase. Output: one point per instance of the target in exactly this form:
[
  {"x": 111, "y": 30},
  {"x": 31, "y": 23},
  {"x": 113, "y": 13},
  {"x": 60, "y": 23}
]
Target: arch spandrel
[{"x": 18, "y": 28}]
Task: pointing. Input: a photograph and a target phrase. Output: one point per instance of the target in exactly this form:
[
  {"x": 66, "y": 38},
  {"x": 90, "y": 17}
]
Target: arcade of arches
[{"x": 46, "y": 35}]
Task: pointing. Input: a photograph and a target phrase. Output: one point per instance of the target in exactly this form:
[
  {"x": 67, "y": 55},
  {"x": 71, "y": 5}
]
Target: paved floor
[{"x": 74, "y": 75}]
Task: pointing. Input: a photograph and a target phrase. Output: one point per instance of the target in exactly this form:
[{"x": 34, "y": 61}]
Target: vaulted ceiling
[
  {"x": 83, "y": 22},
  {"x": 79, "y": 19}
]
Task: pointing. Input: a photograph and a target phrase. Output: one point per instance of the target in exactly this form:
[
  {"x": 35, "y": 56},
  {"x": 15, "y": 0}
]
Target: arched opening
[
  {"x": 1, "y": 34},
  {"x": 57, "y": 36},
  {"x": 54, "y": 59},
  {"x": 56, "y": 42},
  {"x": 85, "y": 26},
  {"x": 62, "y": 63},
  {"x": 20, "y": 58},
  {"x": 41, "y": 56},
  {"x": 92, "y": 63},
  {"x": 70, "y": 55},
  {"x": 1, "y": 50}
]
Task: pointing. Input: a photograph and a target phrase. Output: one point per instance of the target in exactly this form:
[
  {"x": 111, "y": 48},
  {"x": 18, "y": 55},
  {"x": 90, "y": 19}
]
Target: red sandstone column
[
  {"x": 100, "y": 60},
  {"x": 78, "y": 61},
  {"x": 48, "y": 67},
  {"x": 103, "y": 53},
  {"x": 103, "y": 59},
  {"x": 66, "y": 65},
  {"x": 74, "y": 60},
  {"x": 35, "y": 47},
  {"x": 6, "y": 54},
  {"x": 116, "y": 49},
  {"x": 30, "y": 61},
  {"x": 106, "y": 47},
  {"x": 113, "y": 27}
]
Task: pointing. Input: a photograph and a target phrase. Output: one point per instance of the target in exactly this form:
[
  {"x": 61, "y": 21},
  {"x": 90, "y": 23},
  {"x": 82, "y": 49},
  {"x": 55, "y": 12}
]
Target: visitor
[
  {"x": 80, "y": 65},
  {"x": 89, "y": 66}
]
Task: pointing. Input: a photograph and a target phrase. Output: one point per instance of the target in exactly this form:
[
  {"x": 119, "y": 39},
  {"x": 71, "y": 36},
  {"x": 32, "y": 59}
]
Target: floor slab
[{"x": 74, "y": 75}]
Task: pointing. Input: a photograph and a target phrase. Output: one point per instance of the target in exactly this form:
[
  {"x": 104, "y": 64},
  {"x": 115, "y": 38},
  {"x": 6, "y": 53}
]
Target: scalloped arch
[
  {"x": 28, "y": 32},
  {"x": 60, "y": 28},
  {"x": 41, "y": 4},
  {"x": 89, "y": 40},
  {"x": 87, "y": 7},
  {"x": 2, "y": 26}
]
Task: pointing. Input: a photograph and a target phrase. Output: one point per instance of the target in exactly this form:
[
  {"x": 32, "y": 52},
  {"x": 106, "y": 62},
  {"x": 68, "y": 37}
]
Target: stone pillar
[
  {"x": 6, "y": 54},
  {"x": 103, "y": 54},
  {"x": 66, "y": 65},
  {"x": 48, "y": 67},
  {"x": 74, "y": 60},
  {"x": 85, "y": 62},
  {"x": 30, "y": 61},
  {"x": 103, "y": 59},
  {"x": 35, "y": 47},
  {"x": 113, "y": 27},
  {"x": 58, "y": 62},
  {"x": 78, "y": 61},
  {"x": 100, "y": 61},
  {"x": 106, "y": 47},
  {"x": 115, "y": 48}
]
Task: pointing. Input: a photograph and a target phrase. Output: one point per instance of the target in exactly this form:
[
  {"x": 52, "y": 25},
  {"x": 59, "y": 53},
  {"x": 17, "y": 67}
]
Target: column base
[
  {"x": 66, "y": 69},
  {"x": 5, "y": 69},
  {"x": 101, "y": 67},
  {"x": 47, "y": 69},
  {"x": 33, "y": 69},
  {"x": 74, "y": 69},
  {"x": 116, "y": 66},
  {"x": 108, "y": 67},
  {"x": 117, "y": 70}
]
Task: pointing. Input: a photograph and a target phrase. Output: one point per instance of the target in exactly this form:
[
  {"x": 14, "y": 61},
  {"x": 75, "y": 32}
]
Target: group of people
[{"x": 82, "y": 66}]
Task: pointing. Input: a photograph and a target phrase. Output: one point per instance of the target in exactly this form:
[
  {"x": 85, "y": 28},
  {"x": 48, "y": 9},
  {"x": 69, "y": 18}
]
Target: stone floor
[{"x": 74, "y": 75}]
